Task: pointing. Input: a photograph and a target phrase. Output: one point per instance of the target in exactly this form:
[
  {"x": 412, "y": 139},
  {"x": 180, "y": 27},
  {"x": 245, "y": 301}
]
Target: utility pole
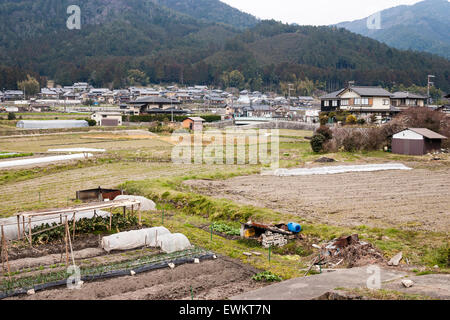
[
  {"x": 290, "y": 87},
  {"x": 428, "y": 88}
]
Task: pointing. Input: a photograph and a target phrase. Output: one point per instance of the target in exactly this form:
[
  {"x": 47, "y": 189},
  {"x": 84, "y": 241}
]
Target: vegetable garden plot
[{"x": 20, "y": 285}]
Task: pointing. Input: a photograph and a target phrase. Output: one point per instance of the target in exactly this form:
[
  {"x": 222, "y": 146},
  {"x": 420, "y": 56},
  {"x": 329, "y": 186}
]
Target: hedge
[{"x": 162, "y": 117}]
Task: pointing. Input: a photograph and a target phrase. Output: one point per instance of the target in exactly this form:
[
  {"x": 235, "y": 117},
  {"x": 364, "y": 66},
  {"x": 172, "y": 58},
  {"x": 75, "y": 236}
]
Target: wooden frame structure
[{"x": 26, "y": 217}]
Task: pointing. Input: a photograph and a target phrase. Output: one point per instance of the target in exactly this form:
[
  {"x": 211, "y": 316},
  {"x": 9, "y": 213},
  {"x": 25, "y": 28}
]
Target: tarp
[
  {"x": 146, "y": 204},
  {"x": 32, "y": 161},
  {"x": 339, "y": 169}
]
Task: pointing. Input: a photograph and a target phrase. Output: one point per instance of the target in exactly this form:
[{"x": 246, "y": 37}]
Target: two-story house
[
  {"x": 404, "y": 100},
  {"x": 363, "y": 102}
]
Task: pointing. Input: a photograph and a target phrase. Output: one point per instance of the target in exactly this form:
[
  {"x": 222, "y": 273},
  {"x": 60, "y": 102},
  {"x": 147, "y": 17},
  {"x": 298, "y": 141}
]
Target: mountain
[
  {"x": 424, "y": 26},
  {"x": 169, "y": 44},
  {"x": 212, "y": 11}
]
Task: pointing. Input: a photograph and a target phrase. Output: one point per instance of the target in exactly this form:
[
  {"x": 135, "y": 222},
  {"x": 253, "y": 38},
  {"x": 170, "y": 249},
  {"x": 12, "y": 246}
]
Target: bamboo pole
[
  {"x": 30, "y": 232},
  {"x": 74, "y": 226},
  {"x": 66, "y": 231}
]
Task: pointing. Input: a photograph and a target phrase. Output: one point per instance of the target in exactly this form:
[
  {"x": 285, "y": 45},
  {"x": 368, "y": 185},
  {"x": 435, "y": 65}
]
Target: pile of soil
[{"x": 325, "y": 160}]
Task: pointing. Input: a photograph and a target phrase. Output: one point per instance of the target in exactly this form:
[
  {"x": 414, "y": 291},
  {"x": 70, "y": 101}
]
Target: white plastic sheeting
[
  {"x": 339, "y": 169},
  {"x": 151, "y": 237},
  {"x": 51, "y": 124},
  {"x": 134, "y": 239},
  {"x": 173, "y": 242},
  {"x": 76, "y": 150},
  {"x": 10, "y": 224},
  {"x": 146, "y": 204},
  {"x": 32, "y": 161}
]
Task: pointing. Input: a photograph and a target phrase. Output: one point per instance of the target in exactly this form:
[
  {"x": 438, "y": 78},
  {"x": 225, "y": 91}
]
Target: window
[
  {"x": 385, "y": 102},
  {"x": 365, "y": 101},
  {"x": 334, "y": 103},
  {"x": 344, "y": 102},
  {"x": 357, "y": 100},
  {"x": 326, "y": 103}
]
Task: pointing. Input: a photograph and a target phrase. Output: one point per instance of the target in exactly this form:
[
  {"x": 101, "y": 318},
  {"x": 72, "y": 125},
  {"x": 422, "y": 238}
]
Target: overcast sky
[{"x": 314, "y": 12}]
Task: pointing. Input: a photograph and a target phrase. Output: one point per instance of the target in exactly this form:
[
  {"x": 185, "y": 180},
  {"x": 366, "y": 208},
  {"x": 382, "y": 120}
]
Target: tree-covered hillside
[
  {"x": 141, "y": 36},
  {"x": 424, "y": 26}
]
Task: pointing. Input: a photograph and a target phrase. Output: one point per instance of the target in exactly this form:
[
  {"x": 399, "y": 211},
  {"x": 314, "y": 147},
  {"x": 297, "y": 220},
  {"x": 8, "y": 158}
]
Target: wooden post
[
  {"x": 5, "y": 250},
  {"x": 74, "y": 226},
  {"x": 30, "y": 232},
  {"x": 18, "y": 228},
  {"x": 124, "y": 211},
  {"x": 1, "y": 253}
]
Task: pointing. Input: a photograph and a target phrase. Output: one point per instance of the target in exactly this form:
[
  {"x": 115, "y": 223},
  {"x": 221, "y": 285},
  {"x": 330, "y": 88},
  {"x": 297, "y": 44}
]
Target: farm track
[{"x": 417, "y": 199}]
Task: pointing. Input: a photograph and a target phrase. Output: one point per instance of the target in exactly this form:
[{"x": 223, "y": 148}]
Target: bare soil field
[
  {"x": 411, "y": 200},
  {"x": 211, "y": 279}
]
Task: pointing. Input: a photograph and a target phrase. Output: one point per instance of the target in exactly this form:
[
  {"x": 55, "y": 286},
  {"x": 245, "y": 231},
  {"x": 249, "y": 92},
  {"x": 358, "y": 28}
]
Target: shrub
[
  {"x": 361, "y": 121},
  {"x": 353, "y": 141},
  {"x": 351, "y": 119},
  {"x": 91, "y": 122},
  {"x": 323, "y": 118},
  {"x": 326, "y": 132},
  {"x": 317, "y": 142},
  {"x": 11, "y": 116}
]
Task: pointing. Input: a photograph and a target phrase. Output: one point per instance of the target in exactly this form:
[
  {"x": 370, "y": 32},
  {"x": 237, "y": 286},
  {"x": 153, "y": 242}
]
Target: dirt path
[
  {"x": 418, "y": 199},
  {"x": 211, "y": 279}
]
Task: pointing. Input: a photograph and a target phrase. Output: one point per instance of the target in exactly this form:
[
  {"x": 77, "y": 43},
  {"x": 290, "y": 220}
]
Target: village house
[
  {"x": 157, "y": 105},
  {"x": 404, "y": 100},
  {"x": 363, "y": 102}
]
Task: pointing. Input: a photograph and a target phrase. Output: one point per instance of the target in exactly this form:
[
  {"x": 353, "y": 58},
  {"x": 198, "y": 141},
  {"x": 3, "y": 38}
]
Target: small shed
[
  {"x": 416, "y": 141},
  {"x": 193, "y": 123},
  {"x": 110, "y": 119}
]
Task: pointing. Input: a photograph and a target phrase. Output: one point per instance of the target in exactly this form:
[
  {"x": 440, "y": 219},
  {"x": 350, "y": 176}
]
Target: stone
[
  {"x": 132, "y": 273},
  {"x": 396, "y": 259},
  {"x": 31, "y": 292},
  {"x": 436, "y": 267},
  {"x": 196, "y": 260},
  {"x": 248, "y": 254},
  {"x": 171, "y": 265},
  {"x": 407, "y": 283},
  {"x": 256, "y": 253}
]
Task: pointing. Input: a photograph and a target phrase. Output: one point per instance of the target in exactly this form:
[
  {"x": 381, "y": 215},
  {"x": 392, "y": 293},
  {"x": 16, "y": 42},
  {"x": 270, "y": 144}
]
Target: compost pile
[{"x": 350, "y": 251}]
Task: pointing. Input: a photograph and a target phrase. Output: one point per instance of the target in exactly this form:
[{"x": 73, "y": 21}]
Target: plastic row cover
[
  {"x": 151, "y": 237},
  {"x": 11, "y": 230}
]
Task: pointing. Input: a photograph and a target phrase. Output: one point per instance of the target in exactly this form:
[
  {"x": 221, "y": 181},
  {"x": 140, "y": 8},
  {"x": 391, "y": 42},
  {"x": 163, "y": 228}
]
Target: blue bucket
[{"x": 294, "y": 227}]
